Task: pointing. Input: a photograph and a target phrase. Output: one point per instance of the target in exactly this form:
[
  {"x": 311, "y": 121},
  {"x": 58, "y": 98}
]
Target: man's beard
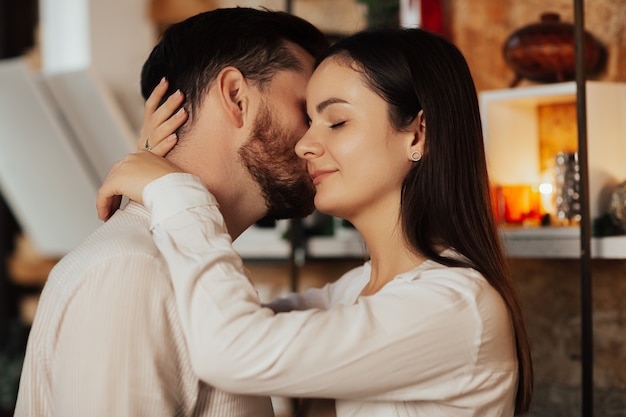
[{"x": 270, "y": 157}]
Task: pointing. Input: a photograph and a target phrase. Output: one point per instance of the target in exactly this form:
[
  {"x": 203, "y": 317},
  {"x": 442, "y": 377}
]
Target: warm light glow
[{"x": 545, "y": 188}]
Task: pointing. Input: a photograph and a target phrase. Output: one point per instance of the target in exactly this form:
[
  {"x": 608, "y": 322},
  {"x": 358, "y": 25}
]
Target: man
[{"x": 107, "y": 339}]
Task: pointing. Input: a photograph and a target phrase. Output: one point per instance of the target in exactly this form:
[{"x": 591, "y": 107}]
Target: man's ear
[{"x": 234, "y": 94}]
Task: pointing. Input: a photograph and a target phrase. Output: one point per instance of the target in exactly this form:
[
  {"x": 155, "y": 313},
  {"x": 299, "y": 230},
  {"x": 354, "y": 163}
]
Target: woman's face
[{"x": 356, "y": 159}]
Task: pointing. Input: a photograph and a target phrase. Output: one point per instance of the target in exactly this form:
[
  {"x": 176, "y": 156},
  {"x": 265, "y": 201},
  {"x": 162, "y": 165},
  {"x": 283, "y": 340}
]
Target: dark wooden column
[{"x": 18, "y": 19}]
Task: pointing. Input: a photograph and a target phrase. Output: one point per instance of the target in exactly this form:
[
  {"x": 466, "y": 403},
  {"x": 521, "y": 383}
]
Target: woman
[{"x": 431, "y": 324}]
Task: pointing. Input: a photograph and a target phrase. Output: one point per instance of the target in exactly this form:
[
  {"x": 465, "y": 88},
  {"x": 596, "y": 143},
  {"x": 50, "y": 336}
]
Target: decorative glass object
[{"x": 567, "y": 188}]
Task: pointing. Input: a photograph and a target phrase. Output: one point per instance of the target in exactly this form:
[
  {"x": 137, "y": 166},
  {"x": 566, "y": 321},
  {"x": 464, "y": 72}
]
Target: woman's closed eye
[{"x": 337, "y": 125}]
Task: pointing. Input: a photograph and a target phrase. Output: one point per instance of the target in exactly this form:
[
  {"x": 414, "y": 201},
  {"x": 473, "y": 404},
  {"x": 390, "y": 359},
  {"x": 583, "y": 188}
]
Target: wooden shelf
[{"x": 559, "y": 243}]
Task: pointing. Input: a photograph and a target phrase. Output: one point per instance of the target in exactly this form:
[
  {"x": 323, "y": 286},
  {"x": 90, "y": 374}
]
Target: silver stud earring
[{"x": 415, "y": 156}]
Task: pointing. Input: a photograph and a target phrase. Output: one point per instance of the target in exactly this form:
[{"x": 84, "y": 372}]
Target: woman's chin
[{"x": 327, "y": 207}]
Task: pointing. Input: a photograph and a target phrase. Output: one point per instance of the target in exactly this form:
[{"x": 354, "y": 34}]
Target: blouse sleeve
[{"x": 413, "y": 340}]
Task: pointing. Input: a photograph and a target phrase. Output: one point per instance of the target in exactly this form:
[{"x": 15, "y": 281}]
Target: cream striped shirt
[{"x": 107, "y": 339}]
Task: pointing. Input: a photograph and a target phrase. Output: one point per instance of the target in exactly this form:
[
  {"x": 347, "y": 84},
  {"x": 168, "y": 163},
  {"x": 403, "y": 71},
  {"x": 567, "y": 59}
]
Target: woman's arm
[{"x": 413, "y": 340}]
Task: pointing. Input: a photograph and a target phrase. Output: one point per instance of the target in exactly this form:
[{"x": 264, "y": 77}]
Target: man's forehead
[
  {"x": 294, "y": 81},
  {"x": 289, "y": 86},
  {"x": 304, "y": 57}
]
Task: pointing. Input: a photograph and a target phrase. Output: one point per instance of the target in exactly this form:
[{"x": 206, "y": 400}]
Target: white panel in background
[
  {"x": 48, "y": 186},
  {"x": 65, "y": 35},
  {"x": 410, "y": 13},
  {"x": 102, "y": 132},
  {"x": 60, "y": 134}
]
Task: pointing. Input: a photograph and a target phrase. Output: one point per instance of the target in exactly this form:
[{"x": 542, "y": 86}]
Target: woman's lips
[{"x": 320, "y": 175}]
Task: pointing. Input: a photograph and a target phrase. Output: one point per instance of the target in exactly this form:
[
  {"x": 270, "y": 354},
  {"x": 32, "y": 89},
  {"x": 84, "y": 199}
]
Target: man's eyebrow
[{"x": 321, "y": 106}]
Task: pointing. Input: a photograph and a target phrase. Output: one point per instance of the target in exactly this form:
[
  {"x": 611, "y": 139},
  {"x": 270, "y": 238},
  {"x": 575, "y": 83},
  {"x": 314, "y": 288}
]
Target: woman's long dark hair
[{"x": 445, "y": 197}]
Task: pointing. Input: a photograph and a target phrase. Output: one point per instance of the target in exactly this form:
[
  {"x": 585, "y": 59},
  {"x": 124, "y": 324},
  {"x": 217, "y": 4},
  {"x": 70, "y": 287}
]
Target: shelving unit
[
  {"x": 510, "y": 122},
  {"x": 344, "y": 244},
  {"x": 258, "y": 243},
  {"x": 559, "y": 242},
  {"x": 264, "y": 243}
]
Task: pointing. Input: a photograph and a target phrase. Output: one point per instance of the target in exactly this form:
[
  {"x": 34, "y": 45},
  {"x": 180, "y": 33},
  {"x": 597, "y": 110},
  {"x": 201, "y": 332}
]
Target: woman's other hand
[
  {"x": 158, "y": 131},
  {"x": 128, "y": 177},
  {"x": 158, "y": 135}
]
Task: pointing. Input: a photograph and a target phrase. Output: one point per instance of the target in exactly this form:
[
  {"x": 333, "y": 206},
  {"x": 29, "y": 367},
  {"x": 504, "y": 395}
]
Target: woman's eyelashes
[{"x": 331, "y": 125}]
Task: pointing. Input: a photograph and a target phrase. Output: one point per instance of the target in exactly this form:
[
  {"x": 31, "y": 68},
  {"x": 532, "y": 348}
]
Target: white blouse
[{"x": 435, "y": 341}]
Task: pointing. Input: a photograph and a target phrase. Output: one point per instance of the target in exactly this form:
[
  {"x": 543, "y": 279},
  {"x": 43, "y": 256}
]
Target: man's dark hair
[{"x": 191, "y": 53}]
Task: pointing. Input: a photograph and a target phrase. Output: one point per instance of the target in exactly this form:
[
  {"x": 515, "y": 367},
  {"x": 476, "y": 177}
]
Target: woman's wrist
[{"x": 173, "y": 193}]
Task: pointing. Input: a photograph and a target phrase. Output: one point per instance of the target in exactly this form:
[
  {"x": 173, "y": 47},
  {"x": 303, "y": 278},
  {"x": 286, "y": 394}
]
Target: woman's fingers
[
  {"x": 108, "y": 206},
  {"x": 108, "y": 201},
  {"x": 160, "y": 122},
  {"x": 152, "y": 103},
  {"x": 163, "y": 147},
  {"x": 166, "y": 119},
  {"x": 159, "y": 142},
  {"x": 150, "y": 107}
]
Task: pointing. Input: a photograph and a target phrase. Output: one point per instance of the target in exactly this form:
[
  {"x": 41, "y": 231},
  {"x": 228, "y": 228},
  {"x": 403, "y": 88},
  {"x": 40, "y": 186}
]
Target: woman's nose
[{"x": 307, "y": 147}]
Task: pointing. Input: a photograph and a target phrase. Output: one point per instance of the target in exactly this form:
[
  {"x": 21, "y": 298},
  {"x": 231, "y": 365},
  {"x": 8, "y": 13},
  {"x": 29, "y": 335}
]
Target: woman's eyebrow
[{"x": 321, "y": 106}]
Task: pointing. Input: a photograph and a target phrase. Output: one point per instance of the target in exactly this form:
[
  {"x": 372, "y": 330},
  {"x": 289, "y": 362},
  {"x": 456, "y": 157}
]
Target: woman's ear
[
  {"x": 418, "y": 140},
  {"x": 421, "y": 120},
  {"x": 234, "y": 94}
]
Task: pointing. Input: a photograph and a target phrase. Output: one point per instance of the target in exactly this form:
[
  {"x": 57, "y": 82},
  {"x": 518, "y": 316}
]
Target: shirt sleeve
[{"x": 407, "y": 342}]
